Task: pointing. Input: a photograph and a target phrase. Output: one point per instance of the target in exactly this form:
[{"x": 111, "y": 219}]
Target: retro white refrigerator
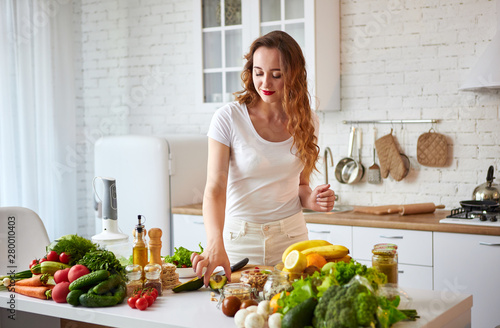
[{"x": 153, "y": 174}]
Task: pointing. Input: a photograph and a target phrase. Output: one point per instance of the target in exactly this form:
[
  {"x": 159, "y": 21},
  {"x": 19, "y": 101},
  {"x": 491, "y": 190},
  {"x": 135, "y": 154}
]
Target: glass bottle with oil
[{"x": 140, "y": 249}]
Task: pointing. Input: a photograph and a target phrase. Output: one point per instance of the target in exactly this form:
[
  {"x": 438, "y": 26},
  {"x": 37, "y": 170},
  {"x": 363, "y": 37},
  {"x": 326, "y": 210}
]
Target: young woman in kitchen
[{"x": 262, "y": 151}]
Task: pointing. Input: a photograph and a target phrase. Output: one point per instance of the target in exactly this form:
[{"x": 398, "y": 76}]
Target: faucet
[{"x": 327, "y": 152}]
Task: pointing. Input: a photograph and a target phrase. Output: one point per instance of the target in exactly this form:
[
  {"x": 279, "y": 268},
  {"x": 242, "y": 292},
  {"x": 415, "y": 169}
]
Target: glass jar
[
  {"x": 385, "y": 260},
  {"x": 240, "y": 290},
  {"x": 153, "y": 276},
  {"x": 134, "y": 280},
  {"x": 276, "y": 283},
  {"x": 256, "y": 278}
]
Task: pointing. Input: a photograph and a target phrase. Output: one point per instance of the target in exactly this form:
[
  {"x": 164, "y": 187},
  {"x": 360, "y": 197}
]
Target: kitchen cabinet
[
  {"x": 226, "y": 28},
  {"x": 414, "y": 252},
  {"x": 189, "y": 231},
  {"x": 337, "y": 235},
  {"x": 467, "y": 263}
]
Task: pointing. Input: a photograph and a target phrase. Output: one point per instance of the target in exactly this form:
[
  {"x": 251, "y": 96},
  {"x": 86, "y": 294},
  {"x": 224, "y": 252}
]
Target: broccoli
[
  {"x": 344, "y": 272},
  {"x": 347, "y": 306}
]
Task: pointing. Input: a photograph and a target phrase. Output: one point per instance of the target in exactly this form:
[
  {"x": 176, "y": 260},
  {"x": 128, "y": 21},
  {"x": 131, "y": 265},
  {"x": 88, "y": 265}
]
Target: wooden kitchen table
[{"x": 195, "y": 310}]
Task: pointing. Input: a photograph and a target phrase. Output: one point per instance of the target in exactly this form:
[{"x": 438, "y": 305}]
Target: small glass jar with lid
[
  {"x": 385, "y": 260},
  {"x": 240, "y": 290},
  {"x": 276, "y": 283},
  {"x": 152, "y": 272},
  {"x": 134, "y": 278}
]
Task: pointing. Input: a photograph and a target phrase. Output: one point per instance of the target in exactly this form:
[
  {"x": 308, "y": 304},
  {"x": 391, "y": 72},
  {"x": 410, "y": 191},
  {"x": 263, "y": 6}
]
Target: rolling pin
[{"x": 421, "y": 208}]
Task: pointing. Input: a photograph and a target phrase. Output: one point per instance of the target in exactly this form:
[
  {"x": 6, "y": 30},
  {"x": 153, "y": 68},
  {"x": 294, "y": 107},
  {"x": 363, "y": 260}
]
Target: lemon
[{"x": 295, "y": 261}]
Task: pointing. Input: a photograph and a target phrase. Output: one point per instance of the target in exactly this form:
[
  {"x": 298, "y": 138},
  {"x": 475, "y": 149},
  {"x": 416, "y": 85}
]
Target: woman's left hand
[{"x": 322, "y": 198}]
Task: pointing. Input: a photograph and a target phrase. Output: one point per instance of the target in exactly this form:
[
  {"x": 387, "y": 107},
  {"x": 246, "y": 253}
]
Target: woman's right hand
[{"x": 205, "y": 263}]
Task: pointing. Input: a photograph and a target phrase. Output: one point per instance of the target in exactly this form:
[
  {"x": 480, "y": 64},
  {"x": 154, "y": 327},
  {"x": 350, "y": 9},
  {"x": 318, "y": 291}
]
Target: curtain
[{"x": 37, "y": 106}]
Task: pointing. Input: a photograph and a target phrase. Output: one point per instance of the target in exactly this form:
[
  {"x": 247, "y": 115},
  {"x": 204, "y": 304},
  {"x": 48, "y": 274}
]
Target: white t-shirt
[{"x": 264, "y": 176}]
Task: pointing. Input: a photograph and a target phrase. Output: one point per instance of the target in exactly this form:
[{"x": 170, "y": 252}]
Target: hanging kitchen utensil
[
  {"x": 487, "y": 190},
  {"x": 359, "y": 142},
  {"x": 391, "y": 160},
  {"x": 345, "y": 166},
  {"x": 374, "y": 170},
  {"x": 432, "y": 149}
]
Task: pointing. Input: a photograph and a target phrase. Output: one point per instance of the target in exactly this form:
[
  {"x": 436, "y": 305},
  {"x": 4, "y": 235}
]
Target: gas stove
[{"x": 484, "y": 213}]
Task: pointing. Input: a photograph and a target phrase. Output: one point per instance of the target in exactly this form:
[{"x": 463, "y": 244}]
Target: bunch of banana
[{"x": 322, "y": 247}]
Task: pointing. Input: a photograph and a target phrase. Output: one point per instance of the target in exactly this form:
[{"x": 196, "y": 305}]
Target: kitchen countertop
[
  {"x": 424, "y": 222},
  {"x": 194, "y": 309}
]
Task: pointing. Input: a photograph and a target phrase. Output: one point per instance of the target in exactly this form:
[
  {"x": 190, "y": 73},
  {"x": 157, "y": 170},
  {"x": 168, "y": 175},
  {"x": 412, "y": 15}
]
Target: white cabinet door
[
  {"x": 335, "y": 234},
  {"x": 414, "y": 247},
  {"x": 188, "y": 231},
  {"x": 470, "y": 264}
]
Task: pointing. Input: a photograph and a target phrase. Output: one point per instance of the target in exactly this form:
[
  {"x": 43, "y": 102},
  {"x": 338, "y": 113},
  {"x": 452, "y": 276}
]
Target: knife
[{"x": 197, "y": 283}]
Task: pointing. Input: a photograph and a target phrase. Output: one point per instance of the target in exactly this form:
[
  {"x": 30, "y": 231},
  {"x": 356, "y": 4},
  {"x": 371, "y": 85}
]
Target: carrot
[
  {"x": 35, "y": 281},
  {"x": 32, "y": 291}
]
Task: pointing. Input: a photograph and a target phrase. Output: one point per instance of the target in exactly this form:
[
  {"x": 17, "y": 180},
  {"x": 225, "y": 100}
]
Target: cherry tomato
[
  {"x": 141, "y": 303},
  {"x": 154, "y": 293},
  {"x": 149, "y": 298},
  {"x": 43, "y": 259},
  {"x": 64, "y": 258},
  {"x": 52, "y": 256},
  {"x": 33, "y": 262},
  {"x": 131, "y": 301}
]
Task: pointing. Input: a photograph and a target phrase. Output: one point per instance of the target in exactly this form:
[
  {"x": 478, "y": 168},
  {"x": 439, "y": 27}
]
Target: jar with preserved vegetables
[
  {"x": 385, "y": 260},
  {"x": 276, "y": 283}
]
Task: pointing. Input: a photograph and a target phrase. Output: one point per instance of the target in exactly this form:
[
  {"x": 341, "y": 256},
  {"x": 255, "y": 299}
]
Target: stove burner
[{"x": 475, "y": 213}]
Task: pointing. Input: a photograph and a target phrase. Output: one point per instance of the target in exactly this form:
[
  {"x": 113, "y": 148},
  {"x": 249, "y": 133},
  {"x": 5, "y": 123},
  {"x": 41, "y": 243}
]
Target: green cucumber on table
[{"x": 89, "y": 280}]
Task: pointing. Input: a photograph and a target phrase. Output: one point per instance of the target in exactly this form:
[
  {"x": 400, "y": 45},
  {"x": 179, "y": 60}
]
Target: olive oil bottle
[{"x": 140, "y": 249}]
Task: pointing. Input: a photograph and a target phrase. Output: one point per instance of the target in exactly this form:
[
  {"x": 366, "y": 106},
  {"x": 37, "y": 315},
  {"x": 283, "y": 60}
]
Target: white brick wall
[{"x": 400, "y": 60}]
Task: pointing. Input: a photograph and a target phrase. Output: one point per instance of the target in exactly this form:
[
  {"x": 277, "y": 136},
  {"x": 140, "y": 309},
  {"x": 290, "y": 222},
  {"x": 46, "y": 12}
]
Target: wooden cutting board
[{"x": 235, "y": 276}]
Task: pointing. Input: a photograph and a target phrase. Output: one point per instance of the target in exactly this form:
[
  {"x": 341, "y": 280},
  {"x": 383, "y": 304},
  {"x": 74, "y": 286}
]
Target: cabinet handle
[
  {"x": 197, "y": 222},
  {"x": 391, "y": 237},
  {"x": 321, "y": 231},
  {"x": 488, "y": 244},
  {"x": 401, "y": 271}
]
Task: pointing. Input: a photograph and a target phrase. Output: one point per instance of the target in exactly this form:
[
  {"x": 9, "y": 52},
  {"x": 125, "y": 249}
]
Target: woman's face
[{"x": 267, "y": 76}]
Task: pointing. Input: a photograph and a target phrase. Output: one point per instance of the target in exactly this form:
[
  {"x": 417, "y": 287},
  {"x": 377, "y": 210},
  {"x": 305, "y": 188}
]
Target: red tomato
[
  {"x": 149, "y": 298},
  {"x": 53, "y": 256},
  {"x": 64, "y": 258},
  {"x": 61, "y": 275},
  {"x": 60, "y": 291},
  {"x": 43, "y": 259},
  {"x": 141, "y": 303},
  {"x": 131, "y": 301},
  {"x": 77, "y": 271},
  {"x": 154, "y": 293},
  {"x": 33, "y": 262}
]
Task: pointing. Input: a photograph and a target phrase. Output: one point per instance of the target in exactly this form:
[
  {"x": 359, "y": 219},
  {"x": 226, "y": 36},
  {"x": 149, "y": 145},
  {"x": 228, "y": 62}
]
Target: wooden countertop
[{"x": 423, "y": 222}]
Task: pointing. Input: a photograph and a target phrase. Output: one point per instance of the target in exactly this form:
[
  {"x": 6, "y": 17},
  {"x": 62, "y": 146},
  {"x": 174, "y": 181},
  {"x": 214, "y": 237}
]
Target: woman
[{"x": 262, "y": 151}]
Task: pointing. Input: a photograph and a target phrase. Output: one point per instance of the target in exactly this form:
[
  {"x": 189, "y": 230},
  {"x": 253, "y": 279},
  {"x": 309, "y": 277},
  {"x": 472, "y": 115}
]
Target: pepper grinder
[{"x": 155, "y": 245}]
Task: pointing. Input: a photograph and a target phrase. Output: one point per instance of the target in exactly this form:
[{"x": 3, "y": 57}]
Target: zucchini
[
  {"x": 73, "y": 297},
  {"x": 193, "y": 284},
  {"x": 51, "y": 267},
  {"x": 93, "y": 300},
  {"x": 90, "y": 279},
  {"x": 107, "y": 285}
]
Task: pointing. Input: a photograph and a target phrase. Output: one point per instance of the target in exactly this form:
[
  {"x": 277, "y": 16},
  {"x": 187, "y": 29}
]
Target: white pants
[{"x": 263, "y": 244}]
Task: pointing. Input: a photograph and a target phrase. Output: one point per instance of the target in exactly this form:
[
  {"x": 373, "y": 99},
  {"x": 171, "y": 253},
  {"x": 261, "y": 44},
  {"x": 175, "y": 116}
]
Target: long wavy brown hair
[{"x": 296, "y": 99}]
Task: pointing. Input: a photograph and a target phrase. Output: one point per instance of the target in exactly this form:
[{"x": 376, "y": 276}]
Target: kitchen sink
[{"x": 336, "y": 209}]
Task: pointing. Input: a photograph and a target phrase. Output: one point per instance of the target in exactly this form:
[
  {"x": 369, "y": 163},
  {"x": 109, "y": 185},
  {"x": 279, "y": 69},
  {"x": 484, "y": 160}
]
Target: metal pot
[
  {"x": 348, "y": 170},
  {"x": 487, "y": 190}
]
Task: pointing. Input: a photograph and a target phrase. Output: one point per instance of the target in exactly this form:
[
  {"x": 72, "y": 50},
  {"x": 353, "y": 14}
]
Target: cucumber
[
  {"x": 90, "y": 279},
  {"x": 51, "y": 267},
  {"x": 105, "y": 286},
  {"x": 73, "y": 297},
  {"x": 93, "y": 300},
  {"x": 120, "y": 293},
  {"x": 193, "y": 284}
]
